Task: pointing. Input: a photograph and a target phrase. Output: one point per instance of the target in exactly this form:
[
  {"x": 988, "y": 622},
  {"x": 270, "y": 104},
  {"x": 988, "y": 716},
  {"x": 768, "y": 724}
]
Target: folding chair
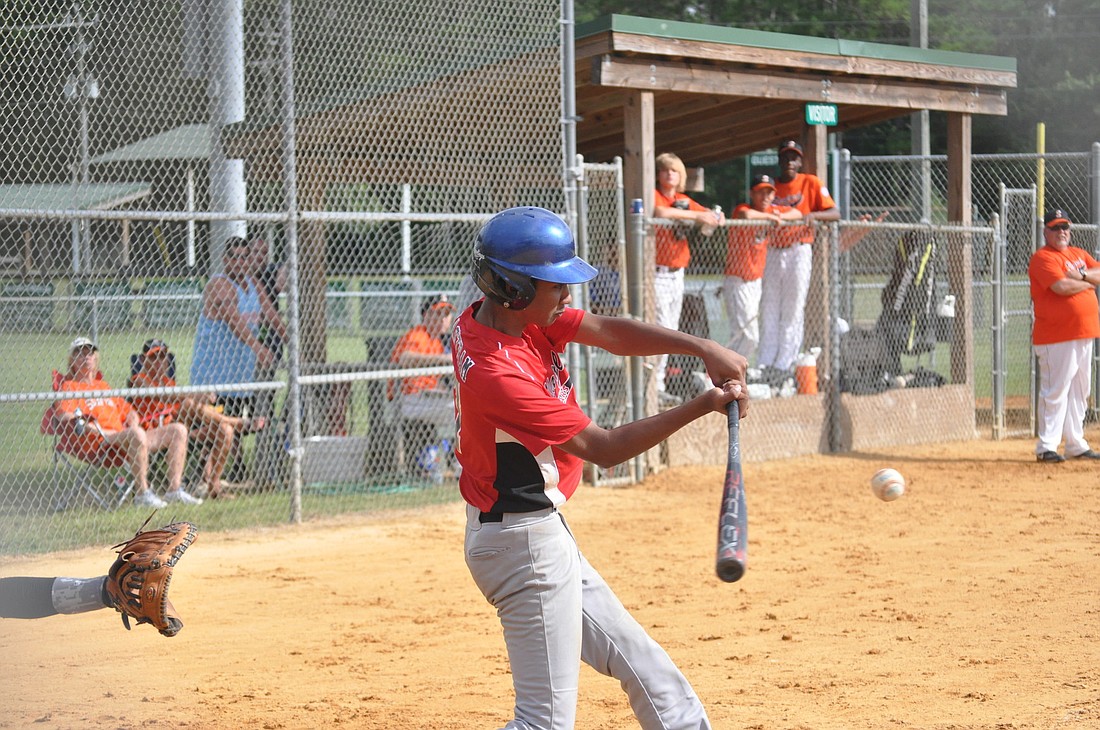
[{"x": 89, "y": 481}]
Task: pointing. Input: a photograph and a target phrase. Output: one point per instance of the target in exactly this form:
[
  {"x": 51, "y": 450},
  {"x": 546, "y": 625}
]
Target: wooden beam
[
  {"x": 817, "y": 62},
  {"x": 634, "y": 73},
  {"x": 959, "y": 253},
  {"x": 815, "y": 151}
]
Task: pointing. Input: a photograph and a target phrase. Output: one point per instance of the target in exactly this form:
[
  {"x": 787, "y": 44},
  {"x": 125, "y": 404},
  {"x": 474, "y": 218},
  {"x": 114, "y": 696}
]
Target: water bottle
[
  {"x": 78, "y": 422},
  {"x": 708, "y": 229}
]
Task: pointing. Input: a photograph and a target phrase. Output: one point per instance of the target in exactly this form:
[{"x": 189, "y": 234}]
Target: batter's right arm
[{"x": 629, "y": 337}]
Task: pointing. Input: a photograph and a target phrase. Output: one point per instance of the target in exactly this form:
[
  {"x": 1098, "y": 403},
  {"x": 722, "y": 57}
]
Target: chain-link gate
[{"x": 1014, "y": 392}]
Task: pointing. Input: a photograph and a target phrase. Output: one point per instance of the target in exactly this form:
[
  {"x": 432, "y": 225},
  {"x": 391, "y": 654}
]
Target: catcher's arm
[
  {"x": 27, "y": 597},
  {"x": 137, "y": 584}
]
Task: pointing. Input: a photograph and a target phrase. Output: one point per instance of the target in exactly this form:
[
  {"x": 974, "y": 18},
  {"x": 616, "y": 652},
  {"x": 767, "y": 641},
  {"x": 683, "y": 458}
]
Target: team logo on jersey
[
  {"x": 791, "y": 200},
  {"x": 559, "y": 385}
]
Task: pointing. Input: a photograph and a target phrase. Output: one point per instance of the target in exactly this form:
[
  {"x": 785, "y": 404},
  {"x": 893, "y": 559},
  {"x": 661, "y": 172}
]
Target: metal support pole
[
  {"x": 636, "y": 308},
  {"x": 833, "y": 403},
  {"x": 1094, "y": 198},
  {"x": 999, "y": 321},
  {"x": 290, "y": 195}
]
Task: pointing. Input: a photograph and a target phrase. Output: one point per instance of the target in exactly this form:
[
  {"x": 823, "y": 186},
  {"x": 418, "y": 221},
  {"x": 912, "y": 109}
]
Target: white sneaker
[
  {"x": 148, "y": 499},
  {"x": 182, "y": 497}
]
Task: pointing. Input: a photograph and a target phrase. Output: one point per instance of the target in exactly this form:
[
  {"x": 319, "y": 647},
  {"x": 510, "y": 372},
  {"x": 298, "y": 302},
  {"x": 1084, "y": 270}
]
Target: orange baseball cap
[{"x": 762, "y": 181}]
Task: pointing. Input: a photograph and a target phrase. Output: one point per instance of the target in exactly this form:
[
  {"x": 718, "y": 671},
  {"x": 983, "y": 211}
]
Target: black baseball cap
[
  {"x": 1056, "y": 217},
  {"x": 790, "y": 146},
  {"x": 154, "y": 345},
  {"x": 762, "y": 181}
]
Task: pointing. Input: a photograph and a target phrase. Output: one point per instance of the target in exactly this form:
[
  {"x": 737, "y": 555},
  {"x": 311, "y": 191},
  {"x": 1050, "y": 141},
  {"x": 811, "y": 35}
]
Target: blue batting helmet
[{"x": 520, "y": 245}]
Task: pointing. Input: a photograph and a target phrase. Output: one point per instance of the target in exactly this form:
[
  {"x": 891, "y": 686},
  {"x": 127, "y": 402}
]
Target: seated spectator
[
  {"x": 213, "y": 429},
  {"x": 426, "y": 404},
  {"x": 745, "y": 260},
  {"x": 113, "y": 432}
]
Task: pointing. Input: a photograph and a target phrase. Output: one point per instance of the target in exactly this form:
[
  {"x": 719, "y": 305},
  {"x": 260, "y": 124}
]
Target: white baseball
[{"x": 888, "y": 484}]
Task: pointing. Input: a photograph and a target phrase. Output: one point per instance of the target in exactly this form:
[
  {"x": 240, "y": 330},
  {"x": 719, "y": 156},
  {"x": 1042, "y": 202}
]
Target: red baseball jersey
[
  {"x": 1059, "y": 318},
  {"x": 515, "y": 403},
  {"x": 807, "y": 193},
  {"x": 671, "y": 250}
]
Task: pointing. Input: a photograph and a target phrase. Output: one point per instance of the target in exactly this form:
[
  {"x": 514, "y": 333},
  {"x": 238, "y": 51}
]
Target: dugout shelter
[{"x": 643, "y": 86}]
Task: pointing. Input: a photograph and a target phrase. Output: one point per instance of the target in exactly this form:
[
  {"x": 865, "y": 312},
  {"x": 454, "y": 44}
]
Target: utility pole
[{"x": 81, "y": 88}]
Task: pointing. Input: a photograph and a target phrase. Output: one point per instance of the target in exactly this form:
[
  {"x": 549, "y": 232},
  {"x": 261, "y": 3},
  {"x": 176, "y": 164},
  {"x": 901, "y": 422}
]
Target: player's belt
[
  {"x": 669, "y": 269},
  {"x": 485, "y": 517}
]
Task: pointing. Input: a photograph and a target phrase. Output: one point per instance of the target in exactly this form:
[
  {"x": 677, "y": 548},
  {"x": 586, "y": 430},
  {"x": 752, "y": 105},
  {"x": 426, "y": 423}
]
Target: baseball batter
[
  {"x": 1063, "y": 290},
  {"x": 787, "y": 271},
  {"x": 522, "y": 440}
]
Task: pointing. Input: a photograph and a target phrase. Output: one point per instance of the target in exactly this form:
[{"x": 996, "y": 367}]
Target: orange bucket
[
  {"x": 805, "y": 371},
  {"x": 805, "y": 377}
]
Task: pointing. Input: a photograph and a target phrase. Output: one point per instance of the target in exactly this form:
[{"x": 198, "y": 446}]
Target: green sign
[
  {"x": 826, "y": 114},
  {"x": 768, "y": 158}
]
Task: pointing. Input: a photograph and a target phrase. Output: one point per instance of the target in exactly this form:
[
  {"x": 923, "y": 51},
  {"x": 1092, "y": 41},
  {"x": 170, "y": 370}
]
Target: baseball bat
[{"x": 733, "y": 518}]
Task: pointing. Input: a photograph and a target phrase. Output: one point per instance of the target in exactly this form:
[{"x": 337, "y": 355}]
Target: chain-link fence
[{"x": 355, "y": 148}]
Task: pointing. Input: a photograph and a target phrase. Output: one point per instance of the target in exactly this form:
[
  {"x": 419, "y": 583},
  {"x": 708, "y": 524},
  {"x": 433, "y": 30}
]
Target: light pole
[{"x": 81, "y": 87}]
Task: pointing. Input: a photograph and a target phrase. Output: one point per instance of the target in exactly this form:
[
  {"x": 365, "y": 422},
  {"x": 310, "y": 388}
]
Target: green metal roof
[
  {"x": 69, "y": 196},
  {"x": 787, "y": 42},
  {"x": 189, "y": 142}
]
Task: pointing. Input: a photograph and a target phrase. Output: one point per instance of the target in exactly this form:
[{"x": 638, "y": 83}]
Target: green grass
[
  {"x": 45, "y": 531},
  {"x": 28, "y": 526}
]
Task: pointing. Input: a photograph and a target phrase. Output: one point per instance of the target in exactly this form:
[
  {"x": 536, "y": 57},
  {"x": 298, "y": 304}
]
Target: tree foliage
[{"x": 1053, "y": 41}]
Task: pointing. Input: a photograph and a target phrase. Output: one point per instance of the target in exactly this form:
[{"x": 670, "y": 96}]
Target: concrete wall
[{"x": 784, "y": 427}]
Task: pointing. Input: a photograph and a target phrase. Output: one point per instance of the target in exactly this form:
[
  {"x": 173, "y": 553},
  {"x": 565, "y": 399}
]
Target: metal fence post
[
  {"x": 832, "y": 396},
  {"x": 1094, "y": 197},
  {"x": 290, "y": 194},
  {"x": 998, "y": 325},
  {"x": 636, "y": 309}
]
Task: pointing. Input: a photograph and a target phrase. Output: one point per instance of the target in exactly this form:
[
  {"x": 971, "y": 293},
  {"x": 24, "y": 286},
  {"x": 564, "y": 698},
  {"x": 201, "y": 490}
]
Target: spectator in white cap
[{"x": 111, "y": 434}]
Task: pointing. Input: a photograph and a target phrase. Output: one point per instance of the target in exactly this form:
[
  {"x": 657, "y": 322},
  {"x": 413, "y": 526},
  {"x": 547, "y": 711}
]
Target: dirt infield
[{"x": 972, "y": 602}]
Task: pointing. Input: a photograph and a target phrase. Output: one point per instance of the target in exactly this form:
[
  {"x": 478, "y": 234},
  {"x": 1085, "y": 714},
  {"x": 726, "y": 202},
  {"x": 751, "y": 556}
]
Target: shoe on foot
[
  {"x": 182, "y": 497},
  {"x": 148, "y": 499},
  {"x": 1089, "y": 454},
  {"x": 1052, "y": 457}
]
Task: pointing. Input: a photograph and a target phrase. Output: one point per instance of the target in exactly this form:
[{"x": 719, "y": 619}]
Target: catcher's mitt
[{"x": 137, "y": 584}]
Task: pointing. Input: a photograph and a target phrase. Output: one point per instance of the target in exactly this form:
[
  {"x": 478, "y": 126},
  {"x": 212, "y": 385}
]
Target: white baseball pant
[
  {"x": 1065, "y": 374},
  {"x": 742, "y": 300},
  {"x": 785, "y": 286},
  {"x": 556, "y": 611},
  {"x": 668, "y": 301}
]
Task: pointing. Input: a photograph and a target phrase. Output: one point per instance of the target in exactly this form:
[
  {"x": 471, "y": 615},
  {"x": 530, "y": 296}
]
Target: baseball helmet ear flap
[{"x": 510, "y": 289}]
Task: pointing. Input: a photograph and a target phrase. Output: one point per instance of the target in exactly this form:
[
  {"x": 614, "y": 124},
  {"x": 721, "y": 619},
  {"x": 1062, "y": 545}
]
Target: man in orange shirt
[
  {"x": 1067, "y": 320},
  {"x": 673, "y": 254},
  {"x": 787, "y": 272},
  {"x": 745, "y": 261},
  {"x": 426, "y": 403},
  {"x": 111, "y": 434},
  {"x": 213, "y": 429}
]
